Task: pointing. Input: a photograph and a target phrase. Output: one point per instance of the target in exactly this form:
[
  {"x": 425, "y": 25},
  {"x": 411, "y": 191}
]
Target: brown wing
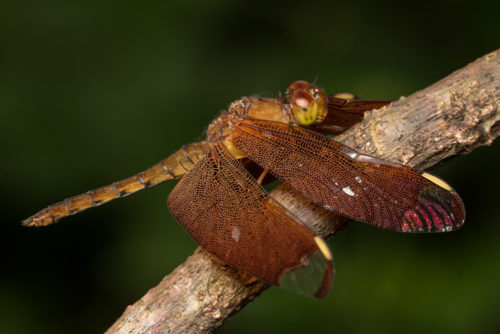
[
  {"x": 230, "y": 215},
  {"x": 363, "y": 188},
  {"x": 344, "y": 113}
]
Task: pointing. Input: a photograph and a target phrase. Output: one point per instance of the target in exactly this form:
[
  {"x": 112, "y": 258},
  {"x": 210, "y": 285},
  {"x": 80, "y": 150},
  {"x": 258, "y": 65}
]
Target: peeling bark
[{"x": 453, "y": 116}]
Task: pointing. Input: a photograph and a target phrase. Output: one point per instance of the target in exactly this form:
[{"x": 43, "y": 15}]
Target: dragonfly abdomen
[{"x": 173, "y": 167}]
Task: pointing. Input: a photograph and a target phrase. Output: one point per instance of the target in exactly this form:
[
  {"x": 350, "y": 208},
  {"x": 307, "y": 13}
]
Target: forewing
[
  {"x": 361, "y": 187},
  {"x": 230, "y": 215},
  {"x": 343, "y": 113}
]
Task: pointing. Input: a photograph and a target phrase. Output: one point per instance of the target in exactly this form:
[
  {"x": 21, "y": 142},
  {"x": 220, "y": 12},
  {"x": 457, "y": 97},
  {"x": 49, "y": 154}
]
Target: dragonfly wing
[
  {"x": 361, "y": 187},
  {"x": 230, "y": 215},
  {"x": 344, "y": 113}
]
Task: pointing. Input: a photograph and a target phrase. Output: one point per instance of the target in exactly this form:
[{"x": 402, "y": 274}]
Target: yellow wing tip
[
  {"x": 436, "y": 180},
  {"x": 323, "y": 247}
]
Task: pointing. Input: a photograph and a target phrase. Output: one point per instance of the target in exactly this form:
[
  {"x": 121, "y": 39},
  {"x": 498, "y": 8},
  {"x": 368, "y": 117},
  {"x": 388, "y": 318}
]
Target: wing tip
[
  {"x": 314, "y": 278},
  {"x": 439, "y": 209},
  {"x": 327, "y": 282}
]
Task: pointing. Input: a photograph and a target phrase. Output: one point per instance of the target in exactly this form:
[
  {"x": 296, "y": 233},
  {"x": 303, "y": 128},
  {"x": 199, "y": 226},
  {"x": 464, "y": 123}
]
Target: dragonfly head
[{"x": 308, "y": 103}]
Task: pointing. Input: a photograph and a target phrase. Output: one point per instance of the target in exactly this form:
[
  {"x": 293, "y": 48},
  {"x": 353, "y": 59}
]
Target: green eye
[
  {"x": 307, "y": 102},
  {"x": 305, "y": 116}
]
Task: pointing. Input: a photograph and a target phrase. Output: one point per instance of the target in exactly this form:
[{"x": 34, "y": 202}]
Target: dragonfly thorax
[
  {"x": 220, "y": 128},
  {"x": 267, "y": 109}
]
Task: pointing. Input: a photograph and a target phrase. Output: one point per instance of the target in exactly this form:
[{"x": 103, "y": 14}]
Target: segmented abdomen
[{"x": 173, "y": 167}]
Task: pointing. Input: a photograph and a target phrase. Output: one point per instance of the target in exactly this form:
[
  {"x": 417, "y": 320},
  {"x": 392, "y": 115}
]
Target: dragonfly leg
[{"x": 262, "y": 176}]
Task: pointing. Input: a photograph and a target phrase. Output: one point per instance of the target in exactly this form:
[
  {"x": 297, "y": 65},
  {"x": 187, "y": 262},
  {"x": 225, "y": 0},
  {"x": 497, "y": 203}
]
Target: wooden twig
[{"x": 453, "y": 116}]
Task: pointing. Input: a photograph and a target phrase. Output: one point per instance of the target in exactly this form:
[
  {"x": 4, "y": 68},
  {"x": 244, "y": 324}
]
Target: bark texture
[{"x": 453, "y": 116}]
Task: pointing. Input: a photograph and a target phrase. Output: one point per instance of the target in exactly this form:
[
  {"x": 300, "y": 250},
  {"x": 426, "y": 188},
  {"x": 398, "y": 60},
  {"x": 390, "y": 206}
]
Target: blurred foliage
[{"x": 94, "y": 91}]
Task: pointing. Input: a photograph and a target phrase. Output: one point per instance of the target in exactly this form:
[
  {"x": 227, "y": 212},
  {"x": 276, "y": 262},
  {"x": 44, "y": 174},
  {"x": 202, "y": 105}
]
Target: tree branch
[{"x": 453, "y": 116}]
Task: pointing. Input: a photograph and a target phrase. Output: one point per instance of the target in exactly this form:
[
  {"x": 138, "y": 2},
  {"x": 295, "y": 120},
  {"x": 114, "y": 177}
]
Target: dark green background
[{"x": 95, "y": 91}]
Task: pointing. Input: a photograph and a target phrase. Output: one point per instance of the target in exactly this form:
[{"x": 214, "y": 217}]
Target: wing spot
[
  {"x": 348, "y": 191},
  {"x": 323, "y": 248},
  {"x": 236, "y": 233},
  {"x": 351, "y": 154}
]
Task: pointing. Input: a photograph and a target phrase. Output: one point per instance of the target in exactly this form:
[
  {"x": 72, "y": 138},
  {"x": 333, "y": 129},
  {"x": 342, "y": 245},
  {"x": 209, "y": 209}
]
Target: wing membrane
[
  {"x": 230, "y": 215},
  {"x": 358, "y": 106},
  {"x": 343, "y": 113},
  {"x": 364, "y": 188}
]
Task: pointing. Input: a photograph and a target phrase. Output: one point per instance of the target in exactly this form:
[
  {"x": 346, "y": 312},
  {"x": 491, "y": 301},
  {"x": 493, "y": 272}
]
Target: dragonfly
[{"x": 221, "y": 202}]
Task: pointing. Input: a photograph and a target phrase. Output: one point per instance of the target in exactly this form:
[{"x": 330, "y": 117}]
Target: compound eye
[
  {"x": 299, "y": 84},
  {"x": 304, "y": 109},
  {"x": 308, "y": 103},
  {"x": 302, "y": 99}
]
